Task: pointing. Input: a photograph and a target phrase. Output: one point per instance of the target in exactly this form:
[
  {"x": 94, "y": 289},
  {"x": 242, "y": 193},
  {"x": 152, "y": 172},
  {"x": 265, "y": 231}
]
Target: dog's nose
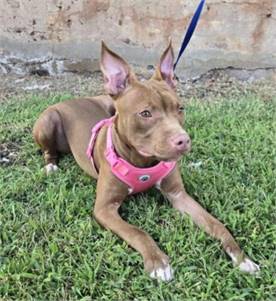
[{"x": 180, "y": 142}]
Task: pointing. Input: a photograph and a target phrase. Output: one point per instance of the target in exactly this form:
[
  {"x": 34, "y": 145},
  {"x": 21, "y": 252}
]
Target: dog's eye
[
  {"x": 145, "y": 114},
  {"x": 181, "y": 109}
]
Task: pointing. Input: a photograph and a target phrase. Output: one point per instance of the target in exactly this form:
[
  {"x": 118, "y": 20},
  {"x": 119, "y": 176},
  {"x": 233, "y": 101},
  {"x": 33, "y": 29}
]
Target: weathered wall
[{"x": 65, "y": 35}]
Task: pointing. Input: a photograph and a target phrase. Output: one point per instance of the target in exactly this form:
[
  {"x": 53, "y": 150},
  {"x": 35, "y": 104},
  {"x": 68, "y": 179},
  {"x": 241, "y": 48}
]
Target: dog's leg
[
  {"x": 49, "y": 135},
  {"x": 173, "y": 189},
  {"x": 108, "y": 200}
]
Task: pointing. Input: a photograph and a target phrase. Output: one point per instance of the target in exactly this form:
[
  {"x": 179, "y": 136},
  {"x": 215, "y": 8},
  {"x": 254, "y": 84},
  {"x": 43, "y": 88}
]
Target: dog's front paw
[
  {"x": 50, "y": 168},
  {"x": 248, "y": 266},
  {"x": 159, "y": 268},
  {"x": 244, "y": 263},
  {"x": 162, "y": 273}
]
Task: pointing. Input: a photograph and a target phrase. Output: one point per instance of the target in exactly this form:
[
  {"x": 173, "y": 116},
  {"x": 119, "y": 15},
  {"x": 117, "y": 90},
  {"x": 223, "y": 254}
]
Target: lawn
[{"x": 51, "y": 248}]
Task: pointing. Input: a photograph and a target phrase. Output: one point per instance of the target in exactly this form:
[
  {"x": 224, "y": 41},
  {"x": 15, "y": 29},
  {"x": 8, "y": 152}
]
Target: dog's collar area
[{"x": 137, "y": 179}]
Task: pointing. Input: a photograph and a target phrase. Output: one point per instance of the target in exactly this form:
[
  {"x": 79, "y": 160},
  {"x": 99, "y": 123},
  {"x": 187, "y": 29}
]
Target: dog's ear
[
  {"x": 164, "y": 70},
  {"x": 116, "y": 71}
]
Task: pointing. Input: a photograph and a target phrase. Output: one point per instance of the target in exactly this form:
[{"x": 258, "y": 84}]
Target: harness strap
[
  {"x": 94, "y": 133},
  {"x": 137, "y": 179}
]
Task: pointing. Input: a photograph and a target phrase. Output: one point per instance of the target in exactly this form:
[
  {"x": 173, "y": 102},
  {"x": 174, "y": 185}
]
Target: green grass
[{"x": 51, "y": 248}]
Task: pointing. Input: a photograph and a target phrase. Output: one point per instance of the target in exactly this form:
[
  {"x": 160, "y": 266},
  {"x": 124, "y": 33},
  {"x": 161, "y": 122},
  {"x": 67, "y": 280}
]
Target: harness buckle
[{"x": 144, "y": 178}]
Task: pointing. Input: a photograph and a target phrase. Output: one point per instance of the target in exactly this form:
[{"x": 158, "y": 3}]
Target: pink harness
[{"x": 138, "y": 179}]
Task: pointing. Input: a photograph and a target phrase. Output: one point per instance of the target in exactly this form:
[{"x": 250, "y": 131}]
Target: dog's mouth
[
  {"x": 175, "y": 156},
  {"x": 170, "y": 159},
  {"x": 144, "y": 153}
]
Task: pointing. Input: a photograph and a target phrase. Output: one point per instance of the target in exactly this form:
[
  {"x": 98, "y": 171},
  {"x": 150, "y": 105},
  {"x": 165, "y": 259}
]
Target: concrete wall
[{"x": 65, "y": 35}]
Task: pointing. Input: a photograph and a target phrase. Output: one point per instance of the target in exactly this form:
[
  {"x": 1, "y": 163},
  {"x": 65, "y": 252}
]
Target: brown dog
[{"x": 147, "y": 129}]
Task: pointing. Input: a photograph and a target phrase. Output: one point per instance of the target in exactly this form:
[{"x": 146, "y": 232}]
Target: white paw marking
[
  {"x": 51, "y": 168},
  {"x": 246, "y": 265},
  {"x": 164, "y": 274},
  {"x": 249, "y": 266}
]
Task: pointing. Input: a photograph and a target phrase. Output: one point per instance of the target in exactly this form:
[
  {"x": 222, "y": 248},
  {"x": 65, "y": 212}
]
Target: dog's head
[{"x": 149, "y": 114}]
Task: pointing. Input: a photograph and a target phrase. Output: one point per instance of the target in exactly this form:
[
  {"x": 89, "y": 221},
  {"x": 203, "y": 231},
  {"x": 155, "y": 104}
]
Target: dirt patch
[
  {"x": 227, "y": 83},
  {"x": 213, "y": 84},
  {"x": 8, "y": 153}
]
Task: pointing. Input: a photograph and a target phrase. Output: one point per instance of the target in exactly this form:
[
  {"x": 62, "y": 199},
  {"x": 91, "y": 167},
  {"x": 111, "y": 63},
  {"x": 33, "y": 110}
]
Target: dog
[{"x": 136, "y": 142}]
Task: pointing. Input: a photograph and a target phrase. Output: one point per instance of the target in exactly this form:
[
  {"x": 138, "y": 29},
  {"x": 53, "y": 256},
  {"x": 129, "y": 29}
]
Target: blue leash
[{"x": 190, "y": 31}]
